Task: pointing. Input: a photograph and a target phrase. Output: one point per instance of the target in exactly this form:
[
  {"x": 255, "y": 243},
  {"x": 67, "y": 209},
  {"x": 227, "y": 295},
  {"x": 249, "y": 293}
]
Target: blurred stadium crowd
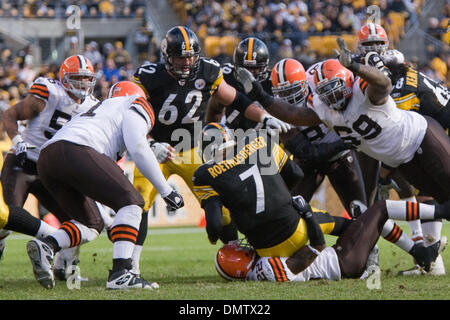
[{"x": 300, "y": 29}]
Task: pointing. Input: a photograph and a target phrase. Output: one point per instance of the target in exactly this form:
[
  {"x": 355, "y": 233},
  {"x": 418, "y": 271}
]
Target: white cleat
[
  {"x": 125, "y": 279},
  {"x": 41, "y": 257}
]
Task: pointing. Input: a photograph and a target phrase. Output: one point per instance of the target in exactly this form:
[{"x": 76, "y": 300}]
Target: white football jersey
[
  {"x": 101, "y": 127},
  {"x": 59, "y": 108},
  {"x": 325, "y": 266},
  {"x": 383, "y": 132}
]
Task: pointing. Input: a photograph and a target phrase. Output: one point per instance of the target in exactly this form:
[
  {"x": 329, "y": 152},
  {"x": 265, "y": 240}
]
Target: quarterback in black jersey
[
  {"x": 178, "y": 89},
  {"x": 243, "y": 176}
]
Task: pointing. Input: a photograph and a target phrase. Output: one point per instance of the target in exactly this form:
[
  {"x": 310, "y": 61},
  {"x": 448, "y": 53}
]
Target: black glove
[
  {"x": 315, "y": 234},
  {"x": 174, "y": 200},
  {"x": 303, "y": 208},
  {"x": 323, "y": 152},
  {"x": 253, "y": 88}
]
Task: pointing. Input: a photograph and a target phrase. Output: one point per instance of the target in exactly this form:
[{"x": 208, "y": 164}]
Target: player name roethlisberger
[
  {"x": 226, "y": 309},
  {"x": 243, "y": 154}
]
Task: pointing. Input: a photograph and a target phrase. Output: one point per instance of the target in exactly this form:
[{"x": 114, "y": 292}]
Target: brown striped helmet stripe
[{"x": 186, "y": 38}]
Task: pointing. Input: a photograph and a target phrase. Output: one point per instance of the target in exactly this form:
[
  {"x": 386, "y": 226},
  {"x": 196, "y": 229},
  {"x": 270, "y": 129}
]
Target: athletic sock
[{"x": 393, "y": 233}]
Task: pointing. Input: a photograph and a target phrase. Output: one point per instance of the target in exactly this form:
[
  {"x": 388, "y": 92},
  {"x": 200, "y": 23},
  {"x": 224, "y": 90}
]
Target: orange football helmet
[
  {"x": 233, "y": 261},
  {"x": 372, "y": 37},
  {"x": 334, "y": 84},
  {"x": 77, "y": 76},
  {"x": 125, "y": 88},
  {"x": 289, "y": 81}
]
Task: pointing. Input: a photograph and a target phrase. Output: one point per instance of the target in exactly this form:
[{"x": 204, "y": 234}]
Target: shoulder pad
[
  {"x": 39, "y": 88},
  {"x": 145, "y": 109},
  {"x": 209, "y": 70}
]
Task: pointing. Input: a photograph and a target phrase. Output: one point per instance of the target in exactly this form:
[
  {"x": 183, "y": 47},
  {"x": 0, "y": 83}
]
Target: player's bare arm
[
  {"x": 214, "y": 110},
  {"x": 379, "y": 85},
  {"x": 25, "y": 109},
  {"x": 277, "y": 107}
]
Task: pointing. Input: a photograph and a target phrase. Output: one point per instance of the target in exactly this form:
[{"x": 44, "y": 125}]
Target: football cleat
[
  {"x": 125, "y": 279},
  {"x": 437, "y": 267},
  {"x": 425, "y": 256},
  {"x": 41, "y": 257}
]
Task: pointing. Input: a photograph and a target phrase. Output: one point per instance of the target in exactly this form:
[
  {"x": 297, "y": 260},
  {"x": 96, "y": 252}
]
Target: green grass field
[{"x": 181, "y": 260}]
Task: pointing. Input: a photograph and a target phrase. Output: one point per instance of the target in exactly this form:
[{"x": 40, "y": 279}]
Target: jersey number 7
[{"x": 254, "y": 172}]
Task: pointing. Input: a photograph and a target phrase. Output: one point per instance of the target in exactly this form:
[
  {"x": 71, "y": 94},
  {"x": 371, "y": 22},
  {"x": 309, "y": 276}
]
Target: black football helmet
[
  {"x": 252, "y": 54},
  {"x": 181, "y": 42}
]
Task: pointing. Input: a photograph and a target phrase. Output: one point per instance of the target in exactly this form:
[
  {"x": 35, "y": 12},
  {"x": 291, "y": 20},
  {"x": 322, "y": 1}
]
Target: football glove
[
  {"x": 373, "y": 59},
  {"x": 174, "y": 200},
  {"x": 20, "y": 149},
  {"x": 253, "y": 88},
  {"x": 163, "y": 151},
  {"x": 345, "y": 56},
  {"x": 303, "y": 208},
  {"x": 274, "y": 125}
]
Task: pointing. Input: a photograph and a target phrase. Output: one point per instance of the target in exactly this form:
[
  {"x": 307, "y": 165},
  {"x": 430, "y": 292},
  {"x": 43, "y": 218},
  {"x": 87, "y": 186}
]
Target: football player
[
  {"x": 252, "y": 54},
  {"x": 243, "y": 176},
  {"x": 179, "y": 89},
  {"x": 364, "y": 114},
  {"x": 47, "y": 107},
  {"x": 318, "y": 149},
  {"x": 372, "y": 37},
  {"x": 414, "y": 91},
  {"x": 344, "y": 260},
  {"x": 94, "y": 140}
]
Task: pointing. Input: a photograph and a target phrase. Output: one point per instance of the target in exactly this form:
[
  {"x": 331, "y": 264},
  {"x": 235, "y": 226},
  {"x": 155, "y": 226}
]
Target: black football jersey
[
  {"x": 234, "y": 118},
  {"x": 250, "y": 186},
  {"x": 419, "y": 93},
  {"x": 179, "y": 104}
]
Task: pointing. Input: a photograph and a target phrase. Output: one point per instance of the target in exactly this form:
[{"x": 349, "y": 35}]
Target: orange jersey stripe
[
  {"x": 282, "y": 271},
  {"x": 42, "y": 87},
  {"x": 147, "y": 107},
  {"x": 275, "y": 270},
  {"x": 39, "y": 91}
]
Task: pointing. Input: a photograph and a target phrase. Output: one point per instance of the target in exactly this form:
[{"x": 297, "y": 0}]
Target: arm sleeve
[
  {"x": 134, "y": 131},
  {"x": 213, "y": 216}
]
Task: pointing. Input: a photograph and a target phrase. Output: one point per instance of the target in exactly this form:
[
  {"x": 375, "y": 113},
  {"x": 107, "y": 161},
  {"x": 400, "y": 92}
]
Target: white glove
[
  {"x": 20, "y": 148},
  {"x": 345, "y": 56},
  {"x": 274, "y": 125},
  {"x": 246, "y": 79},
  {"x": 393, "y": 57},
  {"x": 163, "y": 151}
]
